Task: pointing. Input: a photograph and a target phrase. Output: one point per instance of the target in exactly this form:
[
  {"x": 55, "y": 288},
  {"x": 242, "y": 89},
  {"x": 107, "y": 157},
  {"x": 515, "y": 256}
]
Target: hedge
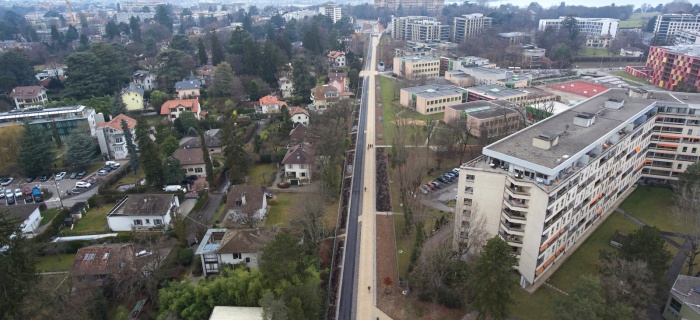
[{"x": 53, "y": 228}]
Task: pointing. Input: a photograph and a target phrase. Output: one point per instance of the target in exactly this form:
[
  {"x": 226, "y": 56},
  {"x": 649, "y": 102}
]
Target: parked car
[
  {"x": 451, "y": 175},
  {"x": 107, "y": 168},
  {"x": 268, "y": 195},
  {"x": 9, "y": 193},
  {"x": 44, "y": 177},
  {"x": 18, "y": 193},
  {"x": 26, "y": 191},
  {"x": 455, "y": 170},
  {"x": 30, "y": 179},
  {"x": 28, "y": 198},
  {"x": 73, "y": 175},
  {"x": 2, "y": 193},
  {"x": 112, "y": 164},
  {"x": 174, "y": 188},
  {"x": 81, "y": 175},
  {"x": 441, "y": 179},
  {"x": 102, "y": 172},
  {"x": 437, "y": 184},
  {"x": 10, "y": 200},
  {"x": 81, "y": 184},
  {"x": 38, "y": 198},
  {"x": 60, "y": 176},
  {"x": 424, "y": 189},
  {"x": 6, "y": 182},
  {"x": 430, "y": 186}
]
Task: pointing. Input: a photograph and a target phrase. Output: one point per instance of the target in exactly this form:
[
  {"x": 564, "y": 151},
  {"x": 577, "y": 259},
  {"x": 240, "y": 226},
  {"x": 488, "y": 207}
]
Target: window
[
  {"x": 190, "y": 169},
  {"x": 138, "y": 222},
  {"x": 289, "y": 166},
  {"x": 303, "y": 174},
  {"x": 236, "y": 255},
  {"x": 685, "y": 149},
  {"x": 690, "y": 131},
  {"x": 302, "y": 166},
  {"x": 694, "y": 150},
  {"x": 148, "y": 221},
  {"x": 680, "y": 166},
  {"x": 675, "y": 305},
  {"x": 198, "y": 170},
  {"x": 157, "y": 222}
]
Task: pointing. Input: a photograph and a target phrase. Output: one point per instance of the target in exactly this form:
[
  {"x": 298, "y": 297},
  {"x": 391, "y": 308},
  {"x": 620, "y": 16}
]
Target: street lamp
[{"x": 57, "y": 191}]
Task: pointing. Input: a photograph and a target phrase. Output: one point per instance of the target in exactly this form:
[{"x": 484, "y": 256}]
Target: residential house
[
  {"x": 286, "y": 87},
  {"x": 299, "y": 135},
  {"x": 339, "y": 80},
  {"x": 143, "y": 212},
  {"x": 173, "y": 108},
  {"x": 188, "y": 88},
  {"x": 204, "y": 74},
  {"x": 246, "y": 204},
  {"x": 325, "y": 96},
  {"x": 110, "y": 137},
  {"x": 298, "y": 164},
  {"x": 222, "y": 246},
  {"x": 336, "y": 59},
  {"x": 132, "y": 97},
  {"x": 191, "y": 161},
  {"x": 30, "y": 216},
  {"x": 95, "y": 265},
  {"x": 144, "y": 79},
  {"x": 212, "y": 139},
  {"x": 270, "y": 104},
  {"x": 683, "y": 299},
  {"x": 299, "y": 115},
  {"x": 29, "y": 96},
  {"x": 631, "y": 52}
]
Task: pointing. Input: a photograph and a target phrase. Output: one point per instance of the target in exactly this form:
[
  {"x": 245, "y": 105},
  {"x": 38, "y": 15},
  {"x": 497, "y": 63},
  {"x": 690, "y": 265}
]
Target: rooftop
[
  {"x": 236, "y": 313},
  {"x": 39, "y": 112},
  {"x": 245, "y": 198},
  {"x": 484, "y": 109},
  {"x": 495, "y": 91},
  {"x": 189, "y": 156},
  {"x": 414, "y": 59},
  {"x": 116, "y": 123},
  {"x": 132, "y": 88},
  {"x": 187, "y": 84},
  {"x": 26, "y": 92},
  {"x": 143, "y": 205},
  {"x": 22, "y": 212},
  {"x": 212, "y": 138},
  {"x": 173, "y": 104},
  {"x": 434, "y": 91},
  {"x": 478, "y": 69},
  {"x": 692, "y": 50},
  {"x": 687, "y": 289},
  {"x": 102, "y": 259}
]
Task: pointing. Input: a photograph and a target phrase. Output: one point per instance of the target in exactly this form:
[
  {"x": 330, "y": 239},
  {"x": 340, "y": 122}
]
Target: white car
[
  {"x": 18, "y": 193},
  {"x": 60, "y": 176},
  {"x": 81, "y": 184},
  {"x": 2, "y": 193},
  {"x": 6, "y": 182},
  {"x": 113, "y": 164},
  {"x": 9, "y": 193}
]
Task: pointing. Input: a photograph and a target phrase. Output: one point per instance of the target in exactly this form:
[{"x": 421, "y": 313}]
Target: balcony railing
[
  {"x": 517, "y": 203},
  {"x": 514, "y": 215},
  {"x": 512, "y": 228},
  {"x": 511, "y": 238},
  {"x": 518, "y": 190}
]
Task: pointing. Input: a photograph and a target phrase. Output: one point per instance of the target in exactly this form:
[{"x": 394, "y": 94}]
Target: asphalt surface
[{"x": 346, "y": 301}]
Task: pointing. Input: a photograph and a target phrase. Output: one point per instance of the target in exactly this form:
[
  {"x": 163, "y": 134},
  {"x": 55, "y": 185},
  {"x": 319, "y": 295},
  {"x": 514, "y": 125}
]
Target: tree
[
  {"x": 312, "y": 40},
  {"x": 237, "y": 40},
  {"x": 585, "y": 301},
  {"x": 135, "y": 26},
  {"x": 163, "y": 17},
  {"x": 117, "y": 107},
  {"x": 208, "y": 167},
  {"x": 130, "y": 147},
  {"x": 111, "y": 30},
  {"x": 172, "y": 171},
  {"x": 626, "y": 282},
  {"x": 17, "y": 265},
  {"x": 236, "y": 159},
  {"x": 101, "y": 70},
  {"x": 222, "y": 80},
  {"x": 71, "y": 34},
  {"x": 201, "y": 52},
  {"x": 174, "y": 65},
  {"x": 188, "y": 121},
  {"x": 15, "y": 70},
  {"x": 439, "y": 277},
  {"x": 81, "y": 150},
  {"x": 150, "y": 155},
  {"x": 36, "y": 154},
  {"x": 648, "y": 245},
  {"x": 493, "y": 281},
  {"x": 217, "y": 52},
  {"x": 158, "y": 98},
  {"x": 181, "y": 43},
  {"x": 273, "y": 309},
  {"x": 687, "y": 208},
  {"x": 168, "y": 147}
]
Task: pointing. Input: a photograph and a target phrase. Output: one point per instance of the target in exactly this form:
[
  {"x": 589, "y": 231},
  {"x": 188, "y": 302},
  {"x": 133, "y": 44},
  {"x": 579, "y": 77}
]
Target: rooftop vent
[
  {"x": 545, "y": 140},
  {"x": 584, "y": 119},
  {"x": 614, "y": 104},
  {"x": 638, "y": 93}
]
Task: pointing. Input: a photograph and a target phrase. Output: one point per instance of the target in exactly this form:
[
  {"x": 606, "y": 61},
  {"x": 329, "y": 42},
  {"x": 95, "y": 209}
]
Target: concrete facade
[
  {"x": 675, "y": 67},
  {"x": 413, "y": 68},
  {"x": 431, "y": 99},
  {"x": 469, "y": 25}
]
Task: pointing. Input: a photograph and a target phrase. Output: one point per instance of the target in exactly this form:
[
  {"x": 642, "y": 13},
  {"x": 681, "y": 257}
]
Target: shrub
[
  {"x": 197, "y": 268},
  {"x": 53, "y": 228},
  {"x": 184, "y": 256}
]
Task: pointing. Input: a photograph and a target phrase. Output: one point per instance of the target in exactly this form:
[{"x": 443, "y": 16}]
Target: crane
[{"x": 71, "y": 18}]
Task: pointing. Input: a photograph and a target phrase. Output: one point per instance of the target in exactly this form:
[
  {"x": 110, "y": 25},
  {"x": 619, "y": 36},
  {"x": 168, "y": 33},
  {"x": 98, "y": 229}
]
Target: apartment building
[
  {"x": 469, "y": 25},
  {"x": 432, "y": 99},
  {"x": 545, "y": 188},
  {"x": 110, "y": 137},
  {"x": 485, "y": 118},
  {"x": 675, "y": 67},
  {"x": 419, "y": 28},
  {"x": 335, "y": 12},
  {"x": 532, "y": 56},
  {"x": 687, "y": 37},
  {"x": 64, "y": 120},
  {"x": 668, "y": 25},
  {"x": 413, "y": 68},
  {"x": 587, "y": 26},
  {"x": 432, "y": 6}
]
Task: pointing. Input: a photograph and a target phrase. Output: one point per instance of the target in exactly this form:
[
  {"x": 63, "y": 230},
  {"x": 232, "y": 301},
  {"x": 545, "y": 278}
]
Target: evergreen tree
[
  {"x": 130, "y": 147},
  {"x": 17, "y": 264},
  {"x": 111, "y": 30},
  {"x": 135, "y": 26},
  {"x": 15, "y": 70},
  {"x": 648, "y": 245},
  {"x": 71, "y": 34},
  {"x": 181, "y": 43},
  {"x": 81, "y": 151},
  {"x": 585, "y": 301},
  {"x": 209, "y": 168},
  {"x": 202, "y": 52},
  {"x": 169, "y": 145},
  {"x": 237, "y": 40},
  {"x": 236, "y": 159},
  {"x": 312, "y": 39},
  {"x": 222, "y": 79},
  {"x": 217, "y": 52},
  {"x": 493, "y": 281},
  {"x": 36, "y": 154},
  {"x": 163, "y": 17},
  {"x": 172, "y": 171},
  {"x": 117, "y": 106},
  {"x": 150, "y": 155}
]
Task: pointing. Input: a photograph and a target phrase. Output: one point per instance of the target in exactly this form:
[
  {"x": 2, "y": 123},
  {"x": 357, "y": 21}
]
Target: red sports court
[{"x": 580, "y": 88}]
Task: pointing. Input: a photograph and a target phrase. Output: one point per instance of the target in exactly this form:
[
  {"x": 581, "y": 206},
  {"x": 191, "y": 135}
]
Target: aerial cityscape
[{"x": 391, "y": 159}]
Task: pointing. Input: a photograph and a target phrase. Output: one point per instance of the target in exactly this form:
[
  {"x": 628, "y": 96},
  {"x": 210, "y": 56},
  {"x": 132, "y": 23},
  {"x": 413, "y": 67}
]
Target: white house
[
  {"x": 144, "y": 79},
  {"x": 29, "y": 96},
  {"x": 221, "y": 247},
  {"x": 336, "y": 59},
  {"x": 286, "y": 87},
  {"x": 110, "y": 137},
  {"x": 631, "y": 52},
  {"x": 270, "y": 104},
  {"x": 298, "y": 163},
  {"x": 299, "y": 116},
  {"x": 246, "y": 204},
  {"x": 173, "y": 108},
  {"x": 143, "y": 212},
  {"x": 30, "y": 216}
]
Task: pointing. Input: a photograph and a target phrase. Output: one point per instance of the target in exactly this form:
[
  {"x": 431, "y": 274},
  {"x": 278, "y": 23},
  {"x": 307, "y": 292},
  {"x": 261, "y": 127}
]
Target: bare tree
[
  {"x": 460, "y": 128},
  {"x": 687, "y": 212},
  {"x": 627, "y": 282},
  {"x": 311, "y": 210},
  {"x": 544, "y": 109},
  {"x": 472, "y": 235},
  {"x": 409, "y": 175}
]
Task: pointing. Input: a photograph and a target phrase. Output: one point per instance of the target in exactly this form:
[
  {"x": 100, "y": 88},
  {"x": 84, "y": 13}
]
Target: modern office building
[
  {"x": 432, "y": 6},
  {"x": 495, "y": 92},
  {"x": 546, "y": 188},
  {"x": 485, "y": 118},
  {"x": 419, "y": 28},
  {"x": 469, "y": 25},
  {"x": 687, "y": 37},
  {"x": 516, "y": 37},
  {"x": 587, "y": 26},
  {"x": 675, "y": 67},
  {"x": 413, "y": 68},
  {"x": 432, "y": 99},
  {"x": 62, "y": 120},
  {"x": 668, "y": 25}
]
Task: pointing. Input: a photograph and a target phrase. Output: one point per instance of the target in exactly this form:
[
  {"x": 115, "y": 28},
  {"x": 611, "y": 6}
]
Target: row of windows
[
  {"x": 139, "y": 222},
  {"x": 437, "y": 101},
  {"x": 438, "y": 109},
  {"x": 424, "y": 70}
]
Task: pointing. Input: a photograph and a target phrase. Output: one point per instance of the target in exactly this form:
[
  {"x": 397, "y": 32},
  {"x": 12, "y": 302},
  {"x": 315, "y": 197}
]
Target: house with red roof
[
  {"x": 336, "y": 59},
  {"x": 270, "y": 104},
  {"x": 110, "y": 137},
  {"x": 172, "y": 108},
  {"x": 299, "y": 115},
  {"x": 29, "y": 96}
]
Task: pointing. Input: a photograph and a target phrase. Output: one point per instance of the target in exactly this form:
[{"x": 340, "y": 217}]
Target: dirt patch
[
  {"x": 409, "y": 122},
  {"x": 326, "y": 255},
  {"x": 400, "y": 307},
  {"x": 383, "y": 194}
]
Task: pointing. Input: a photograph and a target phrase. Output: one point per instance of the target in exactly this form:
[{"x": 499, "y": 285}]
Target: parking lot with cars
[{"x": 441, "y": 191}]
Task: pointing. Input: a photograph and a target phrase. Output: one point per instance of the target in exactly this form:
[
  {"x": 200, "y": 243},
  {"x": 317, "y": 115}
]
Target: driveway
[{"x": 437, "y": 199}]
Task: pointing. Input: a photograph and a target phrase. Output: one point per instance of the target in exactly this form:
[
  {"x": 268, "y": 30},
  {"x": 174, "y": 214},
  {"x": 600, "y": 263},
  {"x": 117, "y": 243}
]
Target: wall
[{"x": 125, "y": 223}]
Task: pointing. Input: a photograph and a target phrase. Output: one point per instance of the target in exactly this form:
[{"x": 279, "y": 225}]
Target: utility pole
[{"x": 57, "y": 191}]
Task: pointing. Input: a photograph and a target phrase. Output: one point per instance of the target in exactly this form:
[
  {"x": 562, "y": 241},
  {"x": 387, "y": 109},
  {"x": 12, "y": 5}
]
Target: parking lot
[{"x": 442, "y": 192}]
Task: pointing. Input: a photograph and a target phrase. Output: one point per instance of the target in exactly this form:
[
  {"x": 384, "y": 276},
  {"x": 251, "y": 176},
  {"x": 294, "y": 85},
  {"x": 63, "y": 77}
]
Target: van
[
  {"x": 81, "y": 184},
  {"x": 175, "y": 188},
  {"x": 113, "y": 164}
]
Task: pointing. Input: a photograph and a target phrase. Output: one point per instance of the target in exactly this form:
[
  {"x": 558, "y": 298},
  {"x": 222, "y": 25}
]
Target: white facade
[
  {"x": 110, "y": 138},
  {"x": 300, "y": 118},
  {"x": 300, "y": 15},
  {"x": 132, "y": 222},
  {"x": 300, "y": 171},
  {"x": 335, "y": 12},
  {"x": 145, "y": 80},
  {"x": 545, "y": 188},
  {"x": 31, "y": 224},
  {"x": 587, "y": 26},
  {"x": 687, "y": 37},
  {"x": 286, "y": 88},
  {"x": 23, "y": 101},
  {"x": 669, "y": 25}
]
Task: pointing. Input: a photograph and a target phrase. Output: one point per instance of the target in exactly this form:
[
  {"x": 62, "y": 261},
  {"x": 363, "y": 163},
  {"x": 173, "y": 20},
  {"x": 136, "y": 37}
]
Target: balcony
[
  {"x": 519, "y": 190},
  {"x": 514, "y": 215},
  {"x": 513, "y": 228},
  {"x": 516, "y": 204},
  {"x": 513, "y": 240}
]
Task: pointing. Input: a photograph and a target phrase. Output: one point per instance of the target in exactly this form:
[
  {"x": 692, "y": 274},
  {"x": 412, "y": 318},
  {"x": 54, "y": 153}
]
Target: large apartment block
[
  {"x": 675, "y": 67},
  {"x": 545, "y": 188},
  {"x": 433, "y": 6},
  {"x": 469, "y": 25},
  {"x": 587, "y": 26},
  {"x": 668, "y": 25},
  {"x": 419, "y": 28},
  {"x": 413, "y": 68}
]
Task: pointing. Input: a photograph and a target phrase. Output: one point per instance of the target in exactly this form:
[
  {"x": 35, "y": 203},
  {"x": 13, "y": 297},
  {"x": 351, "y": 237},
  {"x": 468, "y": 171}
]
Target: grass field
[
  {"x": 54, "y": 262},
  {"x": 637, "y": 20},
  {"x": 536, "y": 306},
  {"x": 94, "y": 221},
  {"x": 628, "y": 76},
  {"x": 592, "y": 52},
  {"x": 280, "y": 208},
  {"x": 47, "y": 215},
  {"x": 654, "y": 206},
  {"x": 130, "y": 178},
  {"x": 262, "y": 174},
  {"x": 393, "y": 110}
]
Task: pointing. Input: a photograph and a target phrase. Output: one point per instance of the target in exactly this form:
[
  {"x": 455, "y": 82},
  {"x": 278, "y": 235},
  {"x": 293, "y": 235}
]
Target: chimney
[
  {"x": 614, "y": 104},
  {"x": 584, "y": 119},
  {"x": 243, "y": 199},
  {"x": 545, "y": 140}
]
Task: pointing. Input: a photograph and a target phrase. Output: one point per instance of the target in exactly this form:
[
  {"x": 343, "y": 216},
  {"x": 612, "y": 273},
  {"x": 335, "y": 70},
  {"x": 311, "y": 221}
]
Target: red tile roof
[
  {"x": 102, "y": 259},
  {"x": 116, "y": 123},
  {"x": 26, "y": 92},
  {"x": 270, "y": 99},
  {"x": 173, "y": 104},
  {"x": 335, "y": 54},
  {"x": 298, "y": 110}
]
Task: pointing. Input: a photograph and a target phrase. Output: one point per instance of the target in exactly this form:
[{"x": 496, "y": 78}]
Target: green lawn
[
  {"x": 628, "y": 76},
  {"x": 536, "y": 306},
  {"x": 54, "y": 262},
  {"x": 654, "y": 207},
  {"x": 592, "y": 52},
  {"x": 280, "y": 208},
  {"x": 94, "y": 221},
  {"x": 47, "y": 215},
  {"x": 585, "y": 259},
  {"x": 130, "y": 178},
  {"x": 392, "y": 110},
  {"x": 262, "y": 174},
  {"x": 637, "y": 20}
]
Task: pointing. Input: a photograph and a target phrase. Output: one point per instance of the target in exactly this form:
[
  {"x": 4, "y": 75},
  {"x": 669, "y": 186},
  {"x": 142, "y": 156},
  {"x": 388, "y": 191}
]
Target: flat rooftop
[
  {"x": 483, "y": 109},
  {"x": 495, "y": 91},
  {"x": 458, "y": 74},
  {"x": 420, "y": 59},
  {"x": 435, "y": 91},
  {"x": 483, "y": 70},
  {"x": 686, "y": 288},
  {"x": 574, "y": 139},
  {"x": 692, "y": 50},
  {"x": 39, "y": 111}
]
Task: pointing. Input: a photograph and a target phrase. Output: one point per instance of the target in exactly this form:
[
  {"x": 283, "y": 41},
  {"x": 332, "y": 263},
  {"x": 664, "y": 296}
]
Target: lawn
[
  {"x": 94, "y": 221},
  {"x": 585, "y": 259},
  {"x": 592, "y": 52},
  {"x": 628, "y": 76},
  {"x": 637, "y": 20},
  {"x": 404, "y": 242},
  {"x": 130, "y": 178},
  {"x": 47, "y": 215},
  {"x": 331, "y": 217},
  {"x": 392, "y": 111},
  {"x": 654, "y": 206},
  {"x": 262, "y": 174},
  {"x": 536, "y": 306},
  {"x": 280, "y": 208},
  {"x": 54, "y": 262}
]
